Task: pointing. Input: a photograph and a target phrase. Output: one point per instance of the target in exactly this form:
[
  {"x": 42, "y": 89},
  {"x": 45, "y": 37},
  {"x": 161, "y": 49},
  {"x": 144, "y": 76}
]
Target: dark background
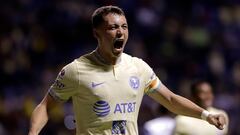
[{"x": 181, "y": 40}]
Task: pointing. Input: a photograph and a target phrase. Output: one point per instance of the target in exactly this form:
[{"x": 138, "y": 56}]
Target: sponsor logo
[
  {"x": 119, "y": 127},
  {"x": 96, "y": 84},
  {"x": 134, "y": 82},
  {"x": 125, "y": 107},
  {"x": 101, "y": 108}
]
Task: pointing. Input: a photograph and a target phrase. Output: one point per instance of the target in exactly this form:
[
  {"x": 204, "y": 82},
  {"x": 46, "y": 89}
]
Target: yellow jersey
[{"x": 106, "y": 98}]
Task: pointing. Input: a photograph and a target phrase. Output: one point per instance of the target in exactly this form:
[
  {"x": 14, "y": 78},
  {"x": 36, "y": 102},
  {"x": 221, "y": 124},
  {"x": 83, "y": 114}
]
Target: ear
[{"x": 95, "y": 33}]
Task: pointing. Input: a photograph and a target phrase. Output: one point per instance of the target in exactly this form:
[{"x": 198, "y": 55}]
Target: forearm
[
  {"x": 38, "y": 120},
  {"x": 183, "y": 106},
  {"x": 175, "y": 103}
]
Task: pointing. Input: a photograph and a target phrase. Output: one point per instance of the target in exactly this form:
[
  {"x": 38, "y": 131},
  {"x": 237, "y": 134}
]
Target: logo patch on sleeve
[
  {"x": 62, "y": 73},
  {"x": 58, "y": 84},
  {"x": 119, "y": 127}
]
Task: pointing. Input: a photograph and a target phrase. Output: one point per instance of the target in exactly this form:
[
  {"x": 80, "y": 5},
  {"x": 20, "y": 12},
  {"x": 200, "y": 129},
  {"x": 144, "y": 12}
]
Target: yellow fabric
[{"x": 106, "y": 98}]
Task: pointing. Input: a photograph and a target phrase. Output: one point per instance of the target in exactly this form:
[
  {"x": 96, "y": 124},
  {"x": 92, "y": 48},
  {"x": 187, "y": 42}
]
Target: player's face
[
  {"x": 113, "y": 34},
  {"x": 205, "y": 95}
]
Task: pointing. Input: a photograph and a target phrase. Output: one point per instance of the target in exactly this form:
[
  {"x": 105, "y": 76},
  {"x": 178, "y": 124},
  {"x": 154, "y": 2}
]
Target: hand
[{"x": 218, "y": 120}]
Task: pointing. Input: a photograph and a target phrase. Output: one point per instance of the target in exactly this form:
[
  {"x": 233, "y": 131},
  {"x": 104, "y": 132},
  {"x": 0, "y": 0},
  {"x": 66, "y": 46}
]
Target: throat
[{"x": 108, "y": 60}]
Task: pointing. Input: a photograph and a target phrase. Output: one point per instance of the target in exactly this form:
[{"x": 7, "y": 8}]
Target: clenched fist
[{"x": 218, "y": 120}]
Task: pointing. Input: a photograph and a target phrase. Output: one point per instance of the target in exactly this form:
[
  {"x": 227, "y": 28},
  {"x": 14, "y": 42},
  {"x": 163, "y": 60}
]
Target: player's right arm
[
  {"x": 39, "y": 116},
  {"x": 64, "y": 87}
]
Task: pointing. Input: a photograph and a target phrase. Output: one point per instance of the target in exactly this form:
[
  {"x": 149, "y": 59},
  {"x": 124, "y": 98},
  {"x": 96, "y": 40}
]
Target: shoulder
[
  {"x": 86, "y": 58},
  {"x": 82, "y": 62},
  {"x": 135, "y": 60},
  {"x": 68, "y": 72},
  {"x": 70, "y": 67}
]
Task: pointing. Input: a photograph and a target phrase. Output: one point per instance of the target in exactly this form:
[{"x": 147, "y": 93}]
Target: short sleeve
[
  {"x": 66, "y": 83},
  {"x": 152, "y": 82}
]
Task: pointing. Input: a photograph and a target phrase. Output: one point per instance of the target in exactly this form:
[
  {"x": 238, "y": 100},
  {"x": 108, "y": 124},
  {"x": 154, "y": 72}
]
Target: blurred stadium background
[{"x": 181, "y": 40}]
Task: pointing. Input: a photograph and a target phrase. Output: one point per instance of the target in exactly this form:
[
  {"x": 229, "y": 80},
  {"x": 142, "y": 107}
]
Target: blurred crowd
[{"x": 181, "y": 40}]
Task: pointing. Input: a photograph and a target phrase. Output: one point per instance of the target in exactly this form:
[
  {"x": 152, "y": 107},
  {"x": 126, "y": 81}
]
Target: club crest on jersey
[
  {"x": 101, "y": 108},
  {"x": 134, "y": 82}
]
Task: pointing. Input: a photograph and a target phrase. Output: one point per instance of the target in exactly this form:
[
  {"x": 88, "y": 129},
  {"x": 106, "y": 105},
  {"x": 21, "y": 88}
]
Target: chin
[{"x": 117, "y": 54}]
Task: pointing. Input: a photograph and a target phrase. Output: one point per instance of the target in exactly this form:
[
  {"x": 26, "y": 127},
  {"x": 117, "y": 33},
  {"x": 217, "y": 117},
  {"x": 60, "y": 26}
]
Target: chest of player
[
  {"x": 115, "y": 93},
  {"x": 111, "y": 84}
]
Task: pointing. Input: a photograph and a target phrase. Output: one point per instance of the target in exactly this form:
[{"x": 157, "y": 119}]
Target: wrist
[{"x": 205, "y": 114}]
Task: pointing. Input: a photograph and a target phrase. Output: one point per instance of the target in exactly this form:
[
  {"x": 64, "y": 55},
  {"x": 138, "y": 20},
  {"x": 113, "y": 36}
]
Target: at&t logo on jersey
[
  {"x": 134, "y": 82},
  {"x": 101, "y": 108},
  {"x": 125, "y": 107}
]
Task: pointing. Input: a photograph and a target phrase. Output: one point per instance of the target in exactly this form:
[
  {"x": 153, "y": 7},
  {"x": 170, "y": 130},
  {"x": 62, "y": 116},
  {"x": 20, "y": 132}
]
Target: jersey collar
[{"x": 103, "y": 61}]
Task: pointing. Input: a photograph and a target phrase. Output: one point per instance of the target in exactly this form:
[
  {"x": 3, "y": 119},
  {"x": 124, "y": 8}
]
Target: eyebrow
[{"x": 117, "y": 24}]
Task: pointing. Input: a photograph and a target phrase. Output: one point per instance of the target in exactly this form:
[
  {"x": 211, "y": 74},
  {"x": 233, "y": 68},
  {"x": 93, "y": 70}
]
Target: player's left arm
[{"x": 182, "y": 106}]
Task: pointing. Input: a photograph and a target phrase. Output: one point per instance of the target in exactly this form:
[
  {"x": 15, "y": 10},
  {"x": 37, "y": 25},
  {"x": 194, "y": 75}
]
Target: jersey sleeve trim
[
  {"x": 66, "y": 84},
  {"x": 154, "y": 85},
  {"x": 55, "y": 96}
]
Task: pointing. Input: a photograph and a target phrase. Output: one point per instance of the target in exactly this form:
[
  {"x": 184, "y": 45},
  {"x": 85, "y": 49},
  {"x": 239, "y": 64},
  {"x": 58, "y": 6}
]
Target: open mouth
[{"x": 118, "y": 43}]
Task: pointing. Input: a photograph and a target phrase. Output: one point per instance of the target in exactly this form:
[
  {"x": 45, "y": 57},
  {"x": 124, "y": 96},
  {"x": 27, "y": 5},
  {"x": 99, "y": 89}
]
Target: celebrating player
[{"x": 106, "y": 86}]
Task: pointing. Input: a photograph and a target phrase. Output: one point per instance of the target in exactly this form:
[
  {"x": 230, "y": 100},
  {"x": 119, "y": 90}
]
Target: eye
[
  {"x": 112, "y": 27},
  {"x": 125, "y": 27}
]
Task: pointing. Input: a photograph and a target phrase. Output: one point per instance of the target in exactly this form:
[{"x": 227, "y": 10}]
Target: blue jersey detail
[
  {"x": 119, "y": 127},
  {"x": 125, "y": 107},
  {"x": 101, "y": 108}
]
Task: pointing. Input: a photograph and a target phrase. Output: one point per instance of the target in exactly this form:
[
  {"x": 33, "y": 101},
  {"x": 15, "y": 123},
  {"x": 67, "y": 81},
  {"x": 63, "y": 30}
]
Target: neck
[{"x": 107, "y": 59}]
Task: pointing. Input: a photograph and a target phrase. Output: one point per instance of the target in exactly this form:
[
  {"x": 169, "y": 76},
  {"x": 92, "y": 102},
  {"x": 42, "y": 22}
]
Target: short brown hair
[{"x": 97, "y": 16}]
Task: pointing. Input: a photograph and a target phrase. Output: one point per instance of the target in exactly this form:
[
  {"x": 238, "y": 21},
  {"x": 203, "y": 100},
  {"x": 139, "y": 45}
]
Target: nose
[{"x": 119, "y": 33}]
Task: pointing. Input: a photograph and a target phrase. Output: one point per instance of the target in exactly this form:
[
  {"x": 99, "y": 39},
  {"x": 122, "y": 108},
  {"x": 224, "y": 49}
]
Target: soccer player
[
  {"x": 106, "y": 86},
  {"x": 201, "y": 92}
]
